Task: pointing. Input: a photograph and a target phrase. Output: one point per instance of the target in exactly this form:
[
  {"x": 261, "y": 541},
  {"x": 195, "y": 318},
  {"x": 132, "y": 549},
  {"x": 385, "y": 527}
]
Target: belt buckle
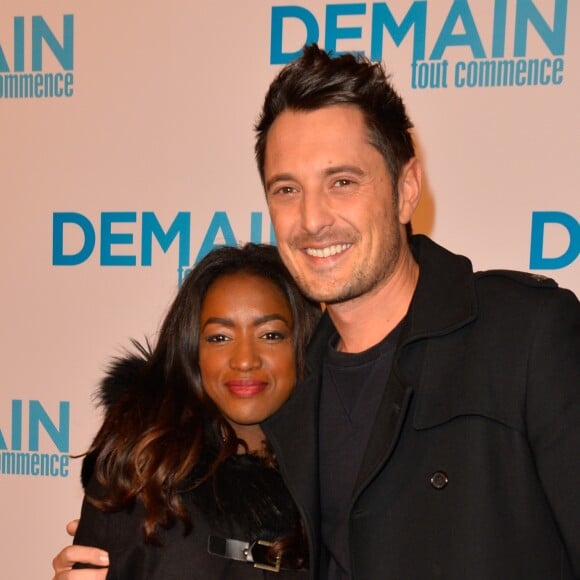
[{"x": 262, "y": 565}]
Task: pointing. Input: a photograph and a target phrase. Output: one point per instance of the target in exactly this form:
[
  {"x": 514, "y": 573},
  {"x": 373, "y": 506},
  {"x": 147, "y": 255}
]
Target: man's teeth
[{"x": 328, "y": 251}]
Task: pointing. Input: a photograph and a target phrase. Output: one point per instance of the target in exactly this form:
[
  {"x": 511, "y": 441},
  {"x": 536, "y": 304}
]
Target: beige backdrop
[{"x": 156, "y": 130}]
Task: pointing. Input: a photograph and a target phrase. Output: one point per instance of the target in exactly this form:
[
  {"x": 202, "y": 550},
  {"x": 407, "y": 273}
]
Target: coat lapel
[
  {"x": 386, "y": 428},
  {"x": 439, "y": 304}
]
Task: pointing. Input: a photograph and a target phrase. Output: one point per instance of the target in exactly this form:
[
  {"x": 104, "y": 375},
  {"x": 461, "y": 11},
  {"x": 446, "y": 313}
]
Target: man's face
[{"x": 331, "y": 202}]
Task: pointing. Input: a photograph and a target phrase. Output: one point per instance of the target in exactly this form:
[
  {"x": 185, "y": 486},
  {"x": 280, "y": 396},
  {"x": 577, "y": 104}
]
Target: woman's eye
[
  {"x": 216, "y": 338},
  {"x": 274, "y": 335}
]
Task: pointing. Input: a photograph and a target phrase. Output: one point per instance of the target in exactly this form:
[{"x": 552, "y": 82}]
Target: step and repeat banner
[{"x": 126, "y": 153}]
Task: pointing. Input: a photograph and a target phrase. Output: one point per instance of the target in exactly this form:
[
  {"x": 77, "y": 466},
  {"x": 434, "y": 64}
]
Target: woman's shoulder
[
  {"x": 248, "y": 493},
  {"x": 123, "y": 377},
  {"x": 120, "y": 388}
]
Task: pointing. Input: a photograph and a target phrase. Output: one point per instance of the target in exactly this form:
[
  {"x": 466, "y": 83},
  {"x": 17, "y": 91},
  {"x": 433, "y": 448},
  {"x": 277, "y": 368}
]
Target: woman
[{"x": 180, "y": 481}]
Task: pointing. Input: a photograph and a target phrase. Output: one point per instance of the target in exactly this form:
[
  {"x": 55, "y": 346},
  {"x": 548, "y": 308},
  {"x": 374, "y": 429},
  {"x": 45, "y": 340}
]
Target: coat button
[{"x": 439, "y": 480}]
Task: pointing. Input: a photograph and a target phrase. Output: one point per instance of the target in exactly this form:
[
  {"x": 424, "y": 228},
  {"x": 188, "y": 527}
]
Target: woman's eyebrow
[
  {"x": 269, "y": 317},
  {"x": 257, "y": 321},
  {"x": 218, "y": 320}
]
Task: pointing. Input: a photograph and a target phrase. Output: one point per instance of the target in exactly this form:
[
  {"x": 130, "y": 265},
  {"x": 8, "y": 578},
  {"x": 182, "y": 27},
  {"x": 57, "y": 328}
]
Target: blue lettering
[
  {"x": 458, "y": 30},
  {"x": 64, "y": 52},
  {"x": 18, "y": 44},
  {"x": 539, "y": 221},
  {"x": 256, "y": 229},
  {"x": 333, "y": 32},
  {"x": 54, "y": 465},
  {"x": 459, "y": 11},
  {"x": 59, "y": 258},
  {"x": 60, "y": 436},
  {"x": 557, "y": 70},
  {"x": 181, "y": 226},
  {"x": 554, "y": 38},
  {"x": 108, "y": 238},
  {"x": 3, "y": 62},
  {"x": 499, "y": 28},
  {"x": 34, "y": 464},
  {"x": 152, "y": 230},
  {"x": 382, "y": 17},
  {"x": 64, "y": 462},
  {"x": 68, "y": 81},
  {"x": 279, "y": 13},
  {"x": 219, "y": 222},
  {"x": 16, "y": 430},
  {"x": 16, "y": 425}
]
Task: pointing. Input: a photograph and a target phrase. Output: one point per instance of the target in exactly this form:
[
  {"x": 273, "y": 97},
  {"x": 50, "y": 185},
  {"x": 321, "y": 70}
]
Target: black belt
[{"x": 252, "y": 552}]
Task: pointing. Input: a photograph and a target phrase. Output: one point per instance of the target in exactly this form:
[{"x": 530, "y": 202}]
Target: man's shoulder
[
  {"x": 427, "y": 252},
  {"x": 515, "y": 277},
  {"x": 519, "y": 292}
]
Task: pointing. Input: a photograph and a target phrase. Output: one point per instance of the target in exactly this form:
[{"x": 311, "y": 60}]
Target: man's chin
[{"x": 335, "y": 295}]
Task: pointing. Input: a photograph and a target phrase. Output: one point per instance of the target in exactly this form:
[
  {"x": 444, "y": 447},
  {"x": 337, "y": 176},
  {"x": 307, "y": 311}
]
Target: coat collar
[{"x": 444, "y": 299}]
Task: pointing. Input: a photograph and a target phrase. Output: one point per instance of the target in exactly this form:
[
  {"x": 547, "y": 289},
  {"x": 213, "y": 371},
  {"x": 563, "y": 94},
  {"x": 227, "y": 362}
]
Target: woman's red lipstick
[{"x": 245, "y": 387}]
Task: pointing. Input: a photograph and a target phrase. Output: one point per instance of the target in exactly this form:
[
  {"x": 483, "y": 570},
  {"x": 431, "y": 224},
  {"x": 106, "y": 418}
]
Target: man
[{"x": 438, "y": 432}]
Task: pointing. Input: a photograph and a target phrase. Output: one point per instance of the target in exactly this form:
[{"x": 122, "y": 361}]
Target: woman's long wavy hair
[{"x": 154, "y": 433}]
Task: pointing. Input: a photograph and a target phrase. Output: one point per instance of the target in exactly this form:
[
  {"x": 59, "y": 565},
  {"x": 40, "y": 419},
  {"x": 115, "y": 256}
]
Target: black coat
[
  {"x": 472, "y": 470},
  {"x": 242, "y": 481},
  {"x": 179, "y": 557}
]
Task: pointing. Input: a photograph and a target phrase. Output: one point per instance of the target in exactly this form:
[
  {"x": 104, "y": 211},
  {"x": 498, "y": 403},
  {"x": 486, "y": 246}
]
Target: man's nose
[{"x": 315, "y": 212}]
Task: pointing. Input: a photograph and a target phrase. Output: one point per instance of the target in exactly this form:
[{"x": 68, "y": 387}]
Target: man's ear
[{"x": 409, "y": 190}]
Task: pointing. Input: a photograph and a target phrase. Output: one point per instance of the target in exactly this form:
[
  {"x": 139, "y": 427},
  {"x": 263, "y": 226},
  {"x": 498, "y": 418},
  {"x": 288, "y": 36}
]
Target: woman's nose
[{"x": 245, "y": 356}]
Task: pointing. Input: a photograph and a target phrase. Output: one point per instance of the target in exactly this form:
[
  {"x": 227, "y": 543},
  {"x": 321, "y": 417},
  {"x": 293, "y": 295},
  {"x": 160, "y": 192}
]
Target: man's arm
[
  {"x": 64, "y": 561},
  {"x": 553, "y": 412}
]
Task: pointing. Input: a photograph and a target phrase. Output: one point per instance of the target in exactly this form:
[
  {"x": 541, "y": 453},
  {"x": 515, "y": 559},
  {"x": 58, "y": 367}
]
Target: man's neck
[{"x": 366, "y": 320}]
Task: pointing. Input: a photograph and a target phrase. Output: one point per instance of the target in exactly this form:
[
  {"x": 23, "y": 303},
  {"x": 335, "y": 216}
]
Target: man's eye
[
  {"x": 285, "y": 189},
  {"x": 342, "y": 182}
]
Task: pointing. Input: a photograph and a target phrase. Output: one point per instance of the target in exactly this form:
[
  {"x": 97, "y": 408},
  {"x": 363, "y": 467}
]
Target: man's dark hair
[{"x": 317, "y": 79}]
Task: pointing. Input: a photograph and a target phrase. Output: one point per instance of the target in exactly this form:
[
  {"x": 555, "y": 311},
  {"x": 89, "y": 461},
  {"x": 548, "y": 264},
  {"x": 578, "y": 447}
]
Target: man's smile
[{"x": 327, "y": 251}]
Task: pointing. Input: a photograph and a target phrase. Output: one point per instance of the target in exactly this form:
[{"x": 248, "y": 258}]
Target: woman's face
[{"x": 246, "y": 352}]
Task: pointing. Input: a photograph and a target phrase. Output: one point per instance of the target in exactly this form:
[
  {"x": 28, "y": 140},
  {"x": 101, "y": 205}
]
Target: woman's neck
[{"x": 253, "y": 436}]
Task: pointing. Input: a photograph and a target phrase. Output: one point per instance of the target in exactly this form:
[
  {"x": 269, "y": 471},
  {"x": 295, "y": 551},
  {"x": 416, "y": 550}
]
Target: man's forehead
[{"x": 326, "y": 143}]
